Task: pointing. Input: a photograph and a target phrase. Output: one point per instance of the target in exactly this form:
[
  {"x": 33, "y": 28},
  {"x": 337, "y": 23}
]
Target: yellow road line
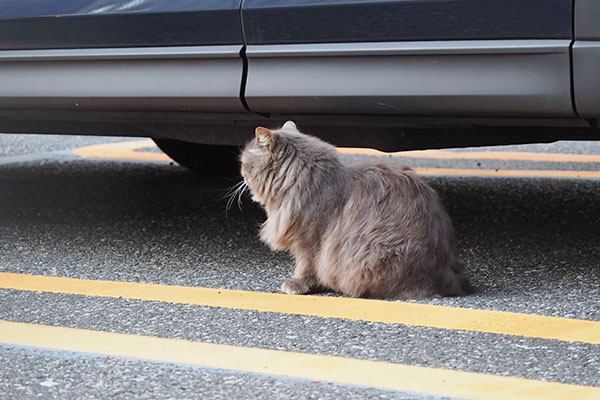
[
  {"x": 384, "y": 375},
  {"x": 515, "y": 173},
  {"x": 129, "y": 151},
  {"x": 480, "y": 155},
  {"x": 122, "y": 150},
  {"x": 391, "y": 312}
]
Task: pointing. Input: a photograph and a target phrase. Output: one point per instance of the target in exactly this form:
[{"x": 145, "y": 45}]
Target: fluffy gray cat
[{"x": 369, "y": 230}]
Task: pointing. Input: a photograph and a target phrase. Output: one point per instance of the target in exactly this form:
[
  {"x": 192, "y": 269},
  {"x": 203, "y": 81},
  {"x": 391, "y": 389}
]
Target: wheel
[{"x": 202, "y": 158}]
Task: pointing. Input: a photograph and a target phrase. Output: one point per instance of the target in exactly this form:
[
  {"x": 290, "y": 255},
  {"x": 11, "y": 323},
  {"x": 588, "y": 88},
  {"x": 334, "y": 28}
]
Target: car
[{"x": 198, "y": 76}]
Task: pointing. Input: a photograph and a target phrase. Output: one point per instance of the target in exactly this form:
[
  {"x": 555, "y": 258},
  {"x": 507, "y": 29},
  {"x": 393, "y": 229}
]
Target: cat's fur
[{"x": 370, "y": 230}]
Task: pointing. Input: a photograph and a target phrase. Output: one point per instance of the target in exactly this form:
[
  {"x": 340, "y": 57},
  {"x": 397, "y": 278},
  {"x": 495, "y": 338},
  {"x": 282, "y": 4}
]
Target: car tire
[{"x": 218, "y": 160}]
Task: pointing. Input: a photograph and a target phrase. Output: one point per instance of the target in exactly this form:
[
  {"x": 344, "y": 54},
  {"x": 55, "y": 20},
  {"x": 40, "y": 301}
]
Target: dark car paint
[
  {"x": 215, "y": 27},
  {"x": 302, "y": 21},
  {"x": 34, "y": 24},
  {"x": 95, "y": 23},
  {"x": 49, "y": 8}
]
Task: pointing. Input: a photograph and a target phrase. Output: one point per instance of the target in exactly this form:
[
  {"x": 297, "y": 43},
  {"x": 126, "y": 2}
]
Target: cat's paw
[{"x": 294, "y": 286}]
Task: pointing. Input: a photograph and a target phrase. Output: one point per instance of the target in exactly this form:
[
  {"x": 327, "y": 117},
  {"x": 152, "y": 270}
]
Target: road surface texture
[{"x": 169, "y": 295}]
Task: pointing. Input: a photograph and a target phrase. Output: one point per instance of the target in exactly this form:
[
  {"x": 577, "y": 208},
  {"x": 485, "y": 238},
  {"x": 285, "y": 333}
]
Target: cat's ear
[
  {"x": 264, "y": 137},
  {"x": 290, "y": 124}
]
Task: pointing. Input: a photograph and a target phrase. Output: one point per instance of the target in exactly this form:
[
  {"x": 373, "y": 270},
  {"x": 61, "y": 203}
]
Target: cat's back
[
  {"x": 394, "y": 238},
  {"x": 388, "y": 196},
  {"x": 381, "y": 179}
]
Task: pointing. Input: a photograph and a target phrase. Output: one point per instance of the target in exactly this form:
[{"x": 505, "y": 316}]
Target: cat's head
[
  {"x": 261, "y": 160},
  {"x": 277, "y": 161}
]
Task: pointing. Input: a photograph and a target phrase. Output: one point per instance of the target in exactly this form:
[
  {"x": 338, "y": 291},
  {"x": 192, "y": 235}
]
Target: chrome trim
[
  {"x": 411, "y": 48},
  {"x": 129, "y": 53}
]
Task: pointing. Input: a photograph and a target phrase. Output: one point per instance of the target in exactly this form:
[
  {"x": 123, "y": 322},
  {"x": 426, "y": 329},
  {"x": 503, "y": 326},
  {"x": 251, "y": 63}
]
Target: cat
[{"x": 373, "y": 230}]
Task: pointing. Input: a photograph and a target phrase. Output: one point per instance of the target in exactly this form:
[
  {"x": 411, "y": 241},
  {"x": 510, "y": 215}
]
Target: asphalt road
[{"x": 531, "y": 245}]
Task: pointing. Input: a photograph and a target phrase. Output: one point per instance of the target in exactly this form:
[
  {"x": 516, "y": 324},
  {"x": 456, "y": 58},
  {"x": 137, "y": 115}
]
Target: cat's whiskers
[{"x": 234, "y": 193}]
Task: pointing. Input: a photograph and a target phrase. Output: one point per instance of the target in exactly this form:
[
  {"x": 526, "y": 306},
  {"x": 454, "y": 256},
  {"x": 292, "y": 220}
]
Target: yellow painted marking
[
  {"x": 122, "y": 150},
  {"x": 515, "y": 173},
  {"x": 378, "y": 374},
  {"x": 391, "y": 312},
  {"x": 480, "y": 155},
  {"x": 130, "y": 150}
]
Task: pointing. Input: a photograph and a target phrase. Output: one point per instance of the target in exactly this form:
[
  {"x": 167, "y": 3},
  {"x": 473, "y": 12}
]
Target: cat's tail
[
  {"x": 465, "y": 284},
  {"x": 458, "y": 284}
]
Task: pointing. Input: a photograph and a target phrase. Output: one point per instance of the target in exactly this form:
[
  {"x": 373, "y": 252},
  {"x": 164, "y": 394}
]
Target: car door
[
  {"x": 586, "y": 60},
  {"x": 118, "y": 56},
  {"x": 409, "y": 57}
]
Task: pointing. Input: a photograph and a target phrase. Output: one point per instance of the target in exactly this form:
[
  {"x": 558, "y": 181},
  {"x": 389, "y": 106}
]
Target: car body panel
[
  {"x": 419, "y": 73},
  {"x": 586, "y": 59},
  {"x": 317, "y": 21},
  {"x": 436, "y": 58},
  {"x": 464, "y": 78},
  {"x": 53, "y": 24},
  {"x": 139, "y": 55},
  {"x": 10, "y": 9},
  {"x": 586, "y": 78},
  {"x": 587, "y": 20},
  {"x": 161, "y": 79}
]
